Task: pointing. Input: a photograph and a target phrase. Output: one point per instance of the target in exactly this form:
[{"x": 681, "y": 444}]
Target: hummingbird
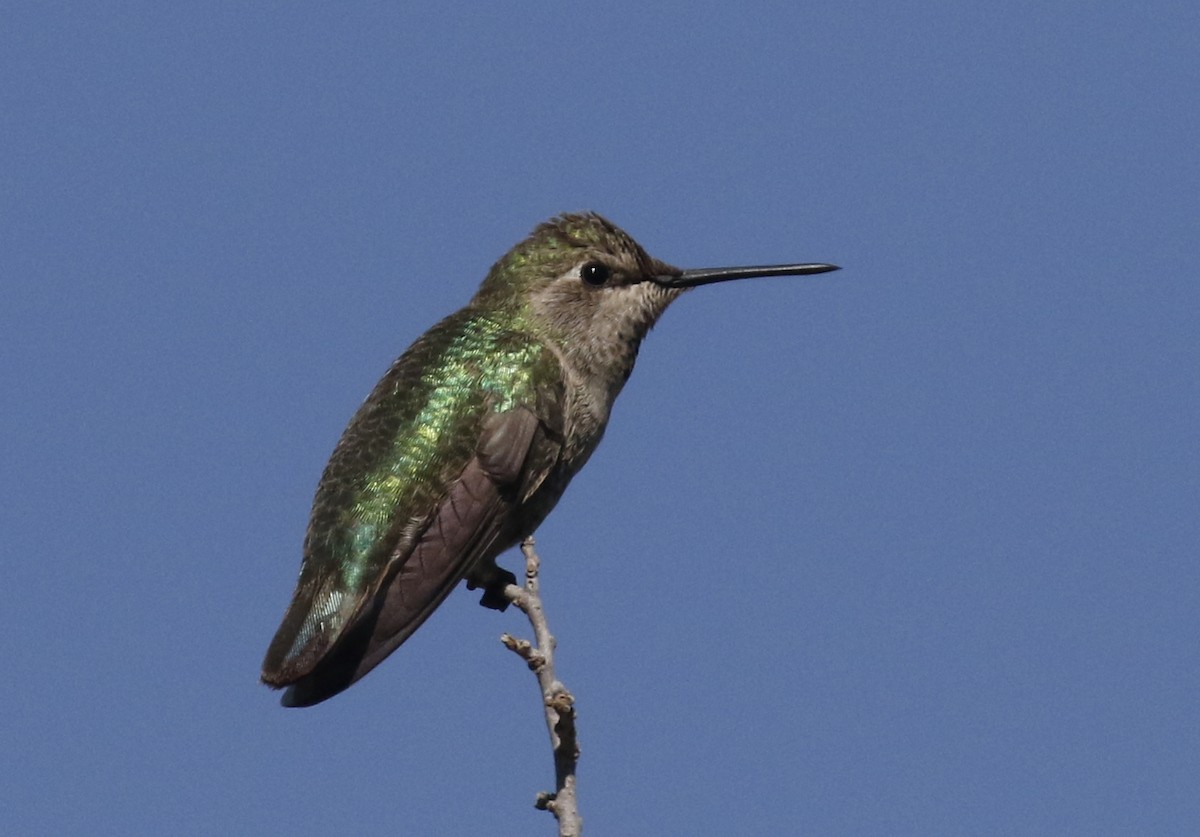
[{"x": 468, "y": 441}]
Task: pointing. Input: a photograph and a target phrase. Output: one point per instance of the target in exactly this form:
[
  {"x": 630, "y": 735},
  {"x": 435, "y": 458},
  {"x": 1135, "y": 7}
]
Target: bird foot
[{"x": 493, "y": 580}]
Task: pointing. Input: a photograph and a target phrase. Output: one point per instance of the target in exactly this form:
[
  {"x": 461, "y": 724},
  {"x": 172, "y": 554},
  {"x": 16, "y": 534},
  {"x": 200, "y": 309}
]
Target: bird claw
[{"x": 493, "y": 580}]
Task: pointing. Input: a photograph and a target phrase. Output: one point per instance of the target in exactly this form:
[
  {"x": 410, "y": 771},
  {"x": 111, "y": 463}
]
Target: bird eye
[{"x": 595, "y": 274}]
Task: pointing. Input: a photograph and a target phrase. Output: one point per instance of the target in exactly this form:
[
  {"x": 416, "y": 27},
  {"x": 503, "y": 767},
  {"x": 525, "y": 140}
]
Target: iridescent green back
[{"x": 405, "y": 446}]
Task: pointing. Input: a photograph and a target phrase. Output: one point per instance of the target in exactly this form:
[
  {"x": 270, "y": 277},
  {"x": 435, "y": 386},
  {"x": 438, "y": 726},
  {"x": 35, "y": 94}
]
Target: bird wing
[{"x": 384, "y": 552}]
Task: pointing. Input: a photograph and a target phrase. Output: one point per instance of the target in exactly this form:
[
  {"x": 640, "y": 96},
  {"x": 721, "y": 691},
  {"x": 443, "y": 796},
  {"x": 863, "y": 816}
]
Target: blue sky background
[{"x": 908, "y": 549}]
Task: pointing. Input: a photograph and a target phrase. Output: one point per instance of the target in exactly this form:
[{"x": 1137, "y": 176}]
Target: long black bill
[{"x": 708, "y": 275}]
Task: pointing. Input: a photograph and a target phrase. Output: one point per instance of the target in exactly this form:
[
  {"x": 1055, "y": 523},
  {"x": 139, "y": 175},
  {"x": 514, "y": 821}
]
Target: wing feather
[
  {"x": 473, "y": 523},
  {"x": 404, "y": 511}
]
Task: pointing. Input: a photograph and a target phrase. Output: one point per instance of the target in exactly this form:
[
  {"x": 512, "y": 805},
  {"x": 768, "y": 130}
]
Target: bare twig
[{"x": 558, "y": 703}]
